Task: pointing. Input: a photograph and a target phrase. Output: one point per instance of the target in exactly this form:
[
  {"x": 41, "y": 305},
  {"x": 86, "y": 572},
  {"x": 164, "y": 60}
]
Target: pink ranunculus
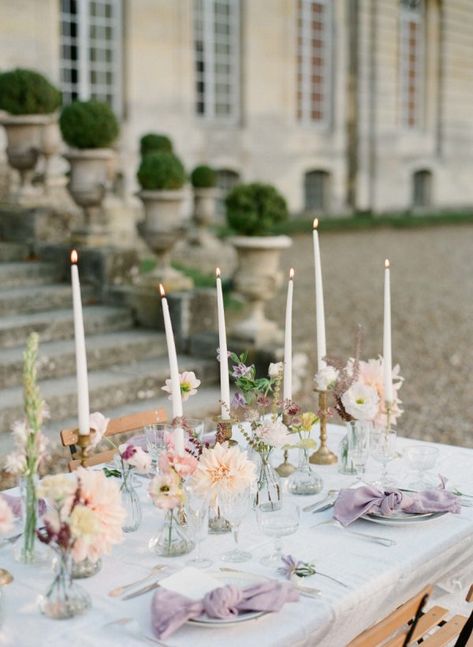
[
  {"x": 184, "y": 465},
  {"x": 140, "y": 460},
  {"x": 6, "y": 517}
]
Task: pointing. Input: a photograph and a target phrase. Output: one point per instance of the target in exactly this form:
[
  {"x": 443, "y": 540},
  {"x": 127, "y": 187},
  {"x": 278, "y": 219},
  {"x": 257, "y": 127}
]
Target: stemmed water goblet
[
  {"x": 234, "y": 507},
  {"x": 277, "y": 523},
  {"x": 197, "y": 519},
  {"x": 421, "y": 459},
  {"x": 155, "y": 436},
  {"x": 383, "y": 450}
]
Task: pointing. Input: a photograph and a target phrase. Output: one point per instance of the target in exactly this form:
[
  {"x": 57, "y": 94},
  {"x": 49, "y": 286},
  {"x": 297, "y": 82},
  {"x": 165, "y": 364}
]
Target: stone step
[
  {"x": 41, "y": 298},
  {"x": 13, "y": 252},
  {"x": 59, "y": 324},
  {"x": 21, "y": 274},
  {"x": 109, "y": 388},
  {"x": 57, "y": 358}
]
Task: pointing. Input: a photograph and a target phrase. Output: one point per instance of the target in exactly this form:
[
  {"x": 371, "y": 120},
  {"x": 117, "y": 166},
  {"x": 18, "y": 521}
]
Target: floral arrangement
[
  {"x": 85, "y": 514},
  {"x": 358, "y": 390},
  {"x": 167, "y": 487},
  {"x": 6, "y": 517},
  {"x": 189, "y": 385},
  {"x": 223, "y": 468},
  {"x": 292, "y": 566}
]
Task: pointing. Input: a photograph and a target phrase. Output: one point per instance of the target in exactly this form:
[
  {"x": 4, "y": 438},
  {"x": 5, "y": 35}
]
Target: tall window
[
  {"x": 217, "y": 54},
  {"x": 226, "y": 180},
  {"x": 316, "y": 190},
  {"x": 422, "y": 188},
  {"x": 314, "y": 53},
  {"x": 91, "y": 66},
  {"x": 412, "y": 61}
]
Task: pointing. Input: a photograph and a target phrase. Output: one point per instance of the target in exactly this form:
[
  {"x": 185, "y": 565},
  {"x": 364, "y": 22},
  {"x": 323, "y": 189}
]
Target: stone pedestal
[
  {"x": 34, "y": 225},
  {"x": 204, "y": 252}
]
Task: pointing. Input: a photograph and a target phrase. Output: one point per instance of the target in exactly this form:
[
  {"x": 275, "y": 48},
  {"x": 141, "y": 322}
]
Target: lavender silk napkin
[
  {"x": 354, "y": 503},
  {"x": 170, "y": 610}
]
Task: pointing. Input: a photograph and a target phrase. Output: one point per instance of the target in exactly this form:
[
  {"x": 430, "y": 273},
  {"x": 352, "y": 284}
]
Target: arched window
[
  {"x": 422, "y": 188},
  {"x": 316, "y": 191},
  {"x": 314, "y": 61},
  {"x": 226, "y": 180},
  {"x": 91, "y": 51},
  {"x": 217, "y": 59},
  {"x": 412, "y": 62}
]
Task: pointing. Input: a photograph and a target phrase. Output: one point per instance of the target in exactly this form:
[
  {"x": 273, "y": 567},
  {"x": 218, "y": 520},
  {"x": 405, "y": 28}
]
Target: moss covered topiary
[
  {"x": 161, "y": 171},
  {"x": 25, "y": 92},
  {"x": 203, "y": 177},
  {"x": 254, "y": 209},
  {"x": 155, "y": 143},
  {"x": 88, "y": 124}
]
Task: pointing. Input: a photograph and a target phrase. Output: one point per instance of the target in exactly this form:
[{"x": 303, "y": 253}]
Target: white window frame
[
  {"x": 85, "y": 88},
  {"x": 408, "y": 14},
  {"x": 304, "y": 84},
  {"x": 204, "y": 10}
]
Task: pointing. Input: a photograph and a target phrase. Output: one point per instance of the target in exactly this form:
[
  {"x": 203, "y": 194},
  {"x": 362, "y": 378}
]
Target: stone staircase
[{"x": 127, "y": 365}]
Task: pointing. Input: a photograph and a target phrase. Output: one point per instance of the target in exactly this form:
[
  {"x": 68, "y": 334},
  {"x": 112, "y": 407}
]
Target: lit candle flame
[
  {"x": 291, "y": 273},
  {"x": 217, "y": 272},
  {"x": 315, "y": 223},
  {"x": 74, "y": 256},
  {"x": 386, "y": 263},
  {"x": 162, "y": 291}
]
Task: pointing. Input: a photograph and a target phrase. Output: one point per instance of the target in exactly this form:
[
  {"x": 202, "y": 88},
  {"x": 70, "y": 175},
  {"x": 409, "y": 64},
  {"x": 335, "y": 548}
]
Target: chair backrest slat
[
  {"x": 445, "y": 634},
  {"x": 425, "y": 623}
]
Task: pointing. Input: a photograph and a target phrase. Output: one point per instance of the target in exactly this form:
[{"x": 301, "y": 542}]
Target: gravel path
[{"x": 432, "y": 316}]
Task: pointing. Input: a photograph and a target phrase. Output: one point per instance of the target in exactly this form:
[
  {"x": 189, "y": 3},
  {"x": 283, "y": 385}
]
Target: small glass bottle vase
[
  {"x": 29, "y": 550},
  {"x": 131, "y": 501},
  {"x": 64, "y": 598},
  {"x": 304, "y": 480},
  {"x": 268, "y": 486},
  {"x": 172, "y": 540}
]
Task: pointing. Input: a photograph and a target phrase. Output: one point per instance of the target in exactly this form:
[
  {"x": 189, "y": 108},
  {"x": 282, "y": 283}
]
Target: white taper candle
[
  {"x": 287, "y": 385},
  {"x": 319, "y": 300},
  {"x": 176, "y": 397},
  {"x": 83, "y": 409},
  {"x": 222, "y": 343},
  {"x": 387, "y": 348}
]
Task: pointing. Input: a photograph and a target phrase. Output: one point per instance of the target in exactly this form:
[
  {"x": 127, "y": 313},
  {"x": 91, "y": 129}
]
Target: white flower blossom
[
  {"x": 326, "y": 378},
  {"x": 361, "y": 401},
  {"x": 275, "y": 369}
]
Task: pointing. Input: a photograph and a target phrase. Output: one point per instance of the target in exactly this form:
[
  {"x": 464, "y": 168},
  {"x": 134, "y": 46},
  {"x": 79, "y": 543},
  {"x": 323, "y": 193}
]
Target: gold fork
[{"x": 119, "y": 590}]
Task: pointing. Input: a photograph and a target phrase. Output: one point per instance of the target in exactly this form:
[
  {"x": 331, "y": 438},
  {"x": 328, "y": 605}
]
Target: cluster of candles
[{"x": 176, "y": 398}]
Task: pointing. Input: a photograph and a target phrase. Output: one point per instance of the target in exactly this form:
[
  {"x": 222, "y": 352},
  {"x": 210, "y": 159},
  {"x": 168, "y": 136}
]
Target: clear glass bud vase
[
  {"x": 29, "y": 550},
  {"x": 131, "y": 502},
  {"x": 304, "y": 480},
  {"x": 218, "y": 525},
  {"x": 268, "y": 486},
  {"x": 172, "y": 540},
  {"x": 64, "y": 598},
  {"x": 85, "y": 568}
]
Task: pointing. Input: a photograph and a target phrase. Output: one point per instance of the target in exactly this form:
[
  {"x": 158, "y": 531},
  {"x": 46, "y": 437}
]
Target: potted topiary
[
  {"x": 29, "y": 100},
  {"x": 162, "y": 177},
  {"x": 89, "y": 128},
  {"x": 155, "y": 143},
  {"x": 252, "y": 211}
]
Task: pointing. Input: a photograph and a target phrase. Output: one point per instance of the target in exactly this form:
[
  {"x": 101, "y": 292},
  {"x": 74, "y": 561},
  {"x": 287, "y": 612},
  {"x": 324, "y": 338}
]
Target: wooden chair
[
  {"x": 409, "y": 625},
  {"x": 123, "y": 425}
]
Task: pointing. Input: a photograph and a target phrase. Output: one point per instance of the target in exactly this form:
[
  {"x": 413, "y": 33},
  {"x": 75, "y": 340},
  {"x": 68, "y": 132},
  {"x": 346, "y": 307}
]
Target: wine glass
[
  {"x": 421, "y": 459},
  {"x": 277, "y": 523},
  {"x": 155, "y": 436},
  {"x": 359, "y": 446},
  {"x": 197, "y": 518},
  {"x": 383, "y": 450},
  {"x": 234, "y": 507}
]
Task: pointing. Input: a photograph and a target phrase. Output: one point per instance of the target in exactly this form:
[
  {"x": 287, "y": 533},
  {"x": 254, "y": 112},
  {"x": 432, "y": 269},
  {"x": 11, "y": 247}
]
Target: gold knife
[{"x": 145, "y": 589}]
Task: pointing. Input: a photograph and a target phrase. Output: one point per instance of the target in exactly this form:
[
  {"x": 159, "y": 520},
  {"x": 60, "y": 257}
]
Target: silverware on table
[
  {"x": 331, "y": 494},
  {"x": 145, "y": 589},
  {"x": 384, "y": 541},
  {"x": 307, "y": 591},
  {"x": 120, "y": 590}
]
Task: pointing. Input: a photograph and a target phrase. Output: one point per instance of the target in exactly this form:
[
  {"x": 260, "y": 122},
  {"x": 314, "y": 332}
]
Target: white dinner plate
[
  {"x": 241, "y": 580},
  {"x": 402, "y": 518}
]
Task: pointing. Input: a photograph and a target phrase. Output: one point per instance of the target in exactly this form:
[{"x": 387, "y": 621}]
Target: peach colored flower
[
  {"x": 223, "y": 469},
  {"x": 184, "y": 465},
  {"x": 6, "y": 517},
  {"x": 189, "y": 385},
  {"x": 99, "y": 423},
  {"x": 371, "y": 373}
]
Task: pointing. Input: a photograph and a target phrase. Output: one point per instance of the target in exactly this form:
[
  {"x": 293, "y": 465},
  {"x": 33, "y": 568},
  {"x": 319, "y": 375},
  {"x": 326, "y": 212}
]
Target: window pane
[{"x": 316, "y": 190}]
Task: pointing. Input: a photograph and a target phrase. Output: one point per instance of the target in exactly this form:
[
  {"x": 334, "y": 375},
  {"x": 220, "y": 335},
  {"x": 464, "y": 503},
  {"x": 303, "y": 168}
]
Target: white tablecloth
[{"x": 379, "y": 578}]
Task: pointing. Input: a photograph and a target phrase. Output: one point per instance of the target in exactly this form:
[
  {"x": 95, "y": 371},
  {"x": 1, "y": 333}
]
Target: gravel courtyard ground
[{"x": 432, "y": 316}]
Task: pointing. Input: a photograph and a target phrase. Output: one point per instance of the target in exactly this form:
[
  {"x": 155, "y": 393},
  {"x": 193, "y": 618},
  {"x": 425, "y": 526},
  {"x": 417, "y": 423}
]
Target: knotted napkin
[
  {"x": 354, "y": 503},
  {"x": 170, "y": 610}
]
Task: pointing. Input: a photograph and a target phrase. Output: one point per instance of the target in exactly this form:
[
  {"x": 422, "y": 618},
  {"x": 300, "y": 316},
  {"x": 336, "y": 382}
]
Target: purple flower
[
  {"x": 218, "y": 354},
  {"x": 238, "y": 401},
  {"x": 128, "y": 452},
  {"x": 289, "y": 566},
  {"x": 241, "y": 370}
]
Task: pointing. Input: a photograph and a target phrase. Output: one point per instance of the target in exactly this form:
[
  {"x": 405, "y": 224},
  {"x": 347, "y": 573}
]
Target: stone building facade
[{"x": 343, "y": 104}]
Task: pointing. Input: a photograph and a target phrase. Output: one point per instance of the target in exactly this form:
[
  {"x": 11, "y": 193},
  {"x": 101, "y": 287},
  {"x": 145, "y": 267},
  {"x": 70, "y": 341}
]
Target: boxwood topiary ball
[
  {"x": 154, "y": 143},
  {"x": 25, "y": 92},
  {"x": 161, "y": 171},
  {"x": 88, "y": 124},
  {"x": 203, "y": 177},
  {"x": 253, "y": 209}
]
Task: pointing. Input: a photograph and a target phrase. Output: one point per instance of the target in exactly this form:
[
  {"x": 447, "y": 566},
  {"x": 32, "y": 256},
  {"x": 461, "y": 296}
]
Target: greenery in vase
[{"x": 26, "y": 92}]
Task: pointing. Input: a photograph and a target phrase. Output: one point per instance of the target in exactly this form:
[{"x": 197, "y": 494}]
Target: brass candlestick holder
[
  {"x": 323, "y": 456},
  {"x": 84, "y": 441},
  {"x": 286, "y": 468},
  {"x": 224, "y": 430}
]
